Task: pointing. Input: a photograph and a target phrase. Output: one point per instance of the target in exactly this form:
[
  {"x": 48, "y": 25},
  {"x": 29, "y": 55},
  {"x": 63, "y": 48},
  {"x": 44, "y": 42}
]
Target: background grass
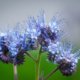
[{"x": 26, "y": 71}]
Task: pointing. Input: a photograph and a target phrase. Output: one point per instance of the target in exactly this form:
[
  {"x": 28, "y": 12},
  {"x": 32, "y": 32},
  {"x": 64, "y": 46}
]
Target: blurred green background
[
  {"x": 13, "y": 11},
  {"x": 26, "y": 71}
]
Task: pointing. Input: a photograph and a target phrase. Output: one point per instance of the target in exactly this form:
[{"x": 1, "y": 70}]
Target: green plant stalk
[
  {"x": 15, "y": 72},
  {"x": 51, "y": 73},
  {"x": 29, "y": 55},
  {"x": 37, "y": 70},
  {"x": 38, "y": 65}
]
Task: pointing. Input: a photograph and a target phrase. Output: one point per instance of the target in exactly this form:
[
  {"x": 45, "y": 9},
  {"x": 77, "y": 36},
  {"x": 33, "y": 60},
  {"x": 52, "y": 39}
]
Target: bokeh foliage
[{"x": 26, "y": 71}]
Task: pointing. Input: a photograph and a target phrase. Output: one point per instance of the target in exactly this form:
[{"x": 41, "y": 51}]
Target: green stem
[
  {"x": 15, "y": 72},
  {"x": 38, "y": 64},
  {"x": 51, "y": 73},
  {"x": 29, "y": 55},
  {"x": 37, "y": 70}
]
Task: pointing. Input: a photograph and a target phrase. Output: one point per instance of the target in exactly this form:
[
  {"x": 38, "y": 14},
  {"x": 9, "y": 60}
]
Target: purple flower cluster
[
  {"x": 36, "y": 32},
  {"x": 64, "y": 56},
  {"x": 11, "y": 45},
  {"x": 42, "y": 32},
  {"x": 14, "y": 44}
]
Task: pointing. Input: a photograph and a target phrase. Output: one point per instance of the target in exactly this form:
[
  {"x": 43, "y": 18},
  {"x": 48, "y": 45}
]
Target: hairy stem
[
  {"x": 15, "y": 72},
  {"x": 51, "y": 73}
]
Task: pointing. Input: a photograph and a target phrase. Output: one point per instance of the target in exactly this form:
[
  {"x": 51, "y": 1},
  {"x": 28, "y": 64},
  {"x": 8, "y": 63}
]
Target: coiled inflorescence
[
  {"x": 43, "y": 33},
  {"x": 10, "y": 47},
  {"x": 15, "y": 43},
  {"x": 65, "y": 58}
]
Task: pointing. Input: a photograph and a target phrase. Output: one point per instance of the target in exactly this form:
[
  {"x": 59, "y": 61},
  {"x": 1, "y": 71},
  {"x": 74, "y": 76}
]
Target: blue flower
[
  {"x": 12, "y": 44},
  {"x": 63, "y": 56},
  {"x": 55, "y": 26},
  {"x": 54, "y": 47},
  {"x": 32, "y": 31},
  {"x": 16, "y": 42},
  {"x": 4, "y": 56},
  {"x": 37, "y": 29}
]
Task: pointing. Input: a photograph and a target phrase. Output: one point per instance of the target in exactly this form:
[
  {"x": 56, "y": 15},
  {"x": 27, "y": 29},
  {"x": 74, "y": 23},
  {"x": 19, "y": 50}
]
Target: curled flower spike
[
  {"x": 37, "y": 34},
  {"x": 13, "y": 46},
  {"x": 67, "y": 59},
  {"x": 46, "y": 37},
  {"x": 44, "y": 33},
  {"x": 17, "y": 47},
  {"x": 4, "y": 51},
  {"x": 10, "y": 46}
]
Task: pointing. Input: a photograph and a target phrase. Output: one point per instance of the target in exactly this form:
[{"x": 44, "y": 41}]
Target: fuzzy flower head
[
  {"x": 43, "y": 33},
  {"x": 55, "y": 25},
  {"x": 15, "y": 43},
  {"x": 4, "y": 51},
  {"x": 53, "y": 49},
  {"x": 12, "y": 44},
  {"x": 66, "y": 59},
  {"x": 17, "y": 46},
  {"x": 32, "y": 31}
]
